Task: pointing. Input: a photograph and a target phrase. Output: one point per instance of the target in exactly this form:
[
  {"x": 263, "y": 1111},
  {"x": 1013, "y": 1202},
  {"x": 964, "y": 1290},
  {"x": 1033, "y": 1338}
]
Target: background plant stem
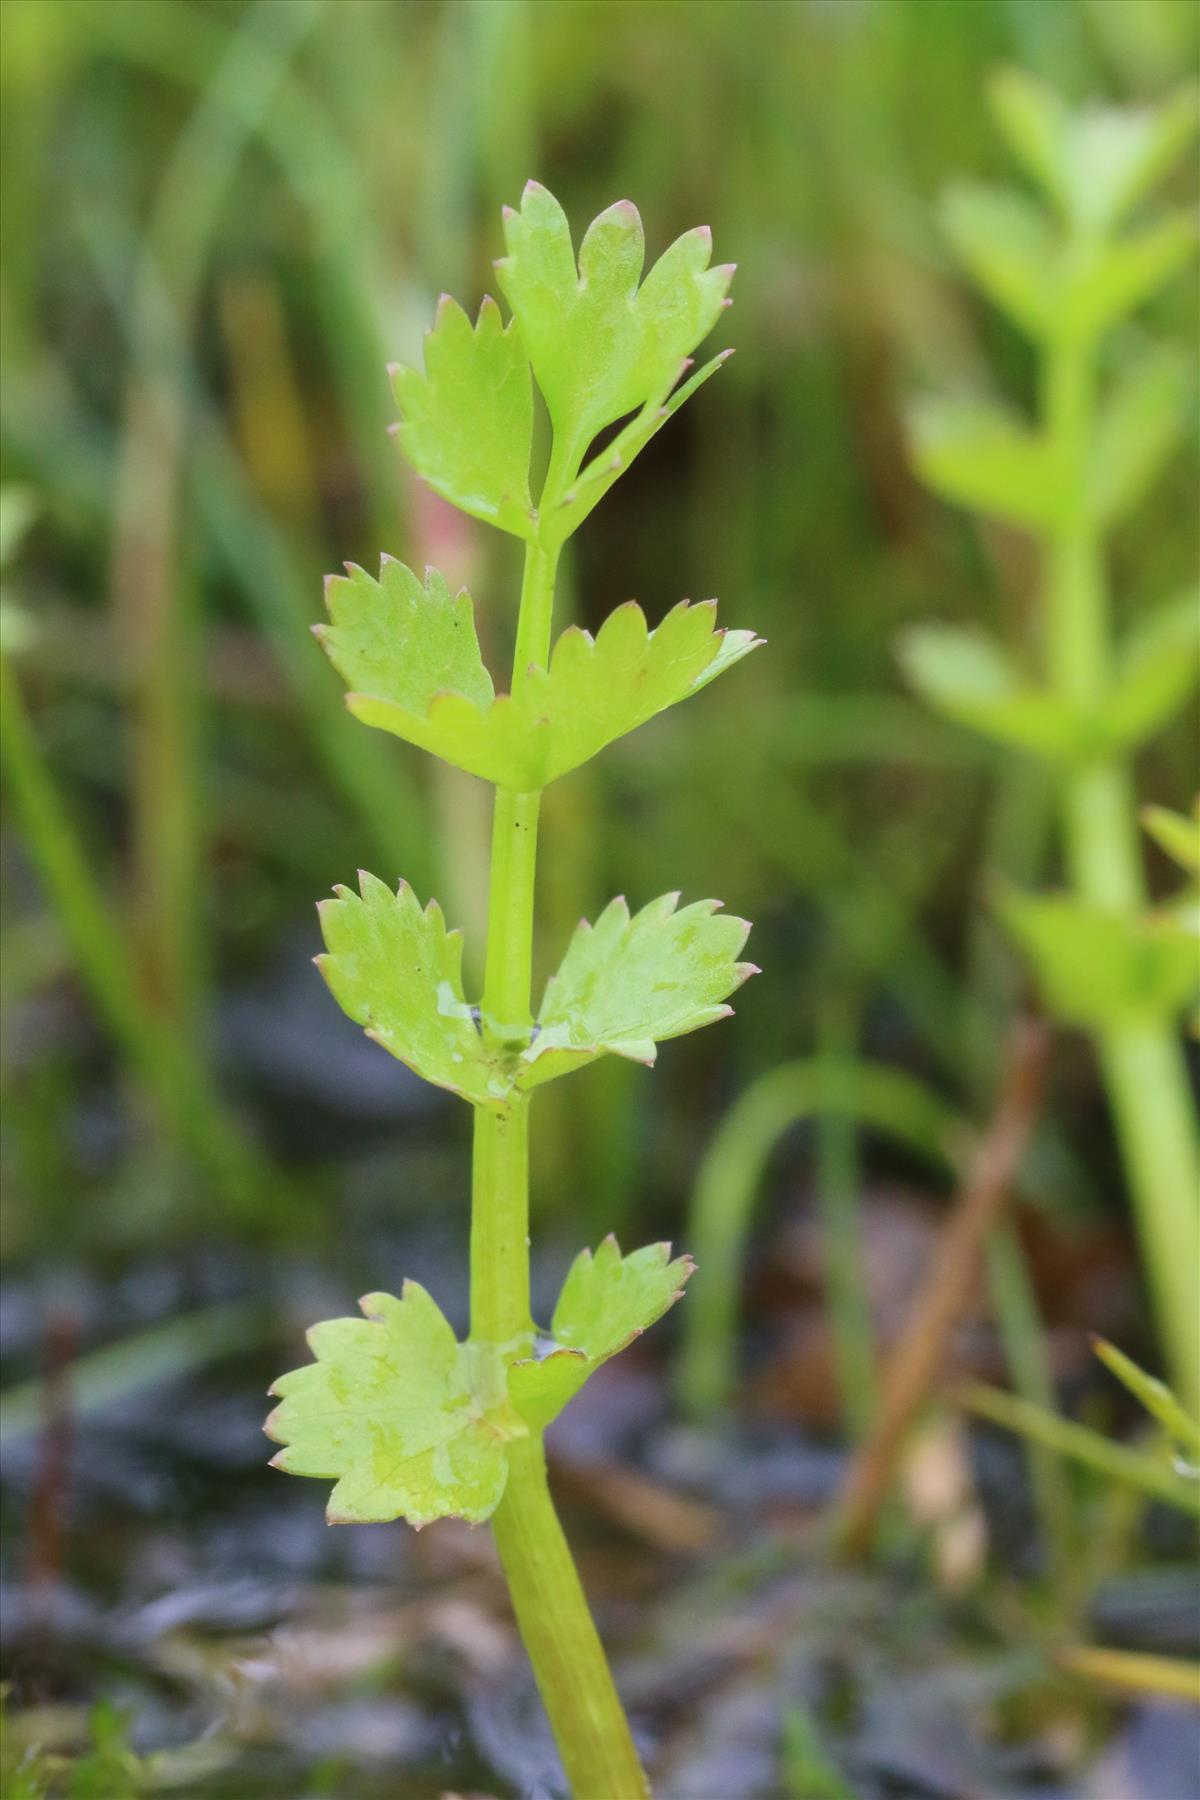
[
  {"x": 564, "y": 1647},
  {"x": 732, "y": 1169},
  {"x": 166, "y": 1063},
  {"x": 1142, "y": 1063}
]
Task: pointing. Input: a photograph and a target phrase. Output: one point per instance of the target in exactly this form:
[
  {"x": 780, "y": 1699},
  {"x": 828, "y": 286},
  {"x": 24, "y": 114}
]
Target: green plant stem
[
  {"x": 839, "y": 1177},
  {"x": 552, "y": 1612},
  {"x": 733, "y": 1168},
  {"x": 1140, "y": 1469},
  {"x": 564, "y": 1646},
  {"x": 500, "y": 1227},
  {"x": 1143, "y": 1062}
]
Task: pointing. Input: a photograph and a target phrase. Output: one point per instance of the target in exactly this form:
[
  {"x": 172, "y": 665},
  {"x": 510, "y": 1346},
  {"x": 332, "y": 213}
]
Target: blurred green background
[{"x": 220, "y": 222}]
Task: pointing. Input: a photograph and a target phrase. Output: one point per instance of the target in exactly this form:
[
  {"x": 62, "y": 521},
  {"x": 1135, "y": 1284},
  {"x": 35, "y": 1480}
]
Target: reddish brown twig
[
  {"x": 47, "y": 1532},
  {"x": 914, "y": 1364}
]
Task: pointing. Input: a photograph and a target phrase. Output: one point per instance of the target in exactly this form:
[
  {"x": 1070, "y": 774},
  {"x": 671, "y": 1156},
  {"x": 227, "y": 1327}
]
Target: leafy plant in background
[
  {"x": 1167, "y": 1471},
  {"x": 107, "y": 1770},
  {"x": 1067, "y": 278},
  {"x": 410, "y": 1422}
]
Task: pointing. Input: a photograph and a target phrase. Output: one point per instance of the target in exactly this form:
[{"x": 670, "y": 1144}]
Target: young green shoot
[{"x": 408, "y": 1421}]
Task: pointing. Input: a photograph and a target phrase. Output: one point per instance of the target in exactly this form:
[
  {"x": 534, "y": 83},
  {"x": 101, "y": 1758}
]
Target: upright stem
[
  {"x": 1142, "y": 1064},
  {"x": 564, "y": 1646}
]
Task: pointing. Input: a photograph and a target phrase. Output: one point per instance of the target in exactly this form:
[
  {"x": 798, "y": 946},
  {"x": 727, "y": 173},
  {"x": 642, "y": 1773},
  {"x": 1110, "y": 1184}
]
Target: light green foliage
[
  {"x": 594, "y": 480},
  {"x": 409, "y": 1422},
  {"x": 467, "y": 424},
  {"x": 1098, "y": 968},
  {"x": 1157, "y": 1398},
  {"x": 972, "y": 680},
  {"x": 607, "y": 1300},
  {"x": 982, "y": 456},
  {"x": 1103, "y": 962},
  {"x": 627, "y": 983},
  {"x": 1007, "y": 243},
  {"x": 108, "y": 1770},
  {"x": 600, "y": 345},
  {"x": 412, "y": 659},
  {"x": 599, "y": 689},
  {"x": 808, "y": 1773},
  {"x": 1105, "y": 282},
  {"x": 18, "y": 510},
  {"x": 623, "y": 985},
  {"x": 404, "y": 640},
  {"x": 396, "y": 970},
  {"x": 1064, "y": 282},
  {"x": 1178, "y": 835},
  {"x": 1136, "y": 429},
  {"x": 1157, "y": 667},
  {"x": 1094, "y": 162},
  {"x": 1144, "y": 1471},
  {"x": 1051, "y": 289}
]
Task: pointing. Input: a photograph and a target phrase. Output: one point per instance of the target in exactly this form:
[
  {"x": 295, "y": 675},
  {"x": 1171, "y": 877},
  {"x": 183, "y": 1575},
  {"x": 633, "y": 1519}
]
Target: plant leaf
[
  {"x": 397, "y": 971},
  {"x": 1097, "y": 968},
  {"x": 597, "y": 690},
  {"x": 19, "y": 507},
  {"x": 594, "y": 691},
  {"x": 1178, "y": 835},
  {"x": 409, "y": 1423},
  {"x": 1116, "y": 1462},
  {"x": 977, "y": 454},
  {"x": 1157, "y": 668},
  {"x": 1113, "y": 280},
  {"x": 1008, "y": 246},
  {"x": 1034, "y": 119},
  {"x": 467, "y": 427},
  {"x": 1094, "y": 161},
  {"x": 600, "y": 345},
  {"x": 1135, "y": 432},
  {"x": 1154, "y": 1395},
  {"x": 607, "y": 1300},
  {"x": 1118, "y": 154},
  {"x": 595, "y": 479},
  {"x": 627, "y": 983},
  {"x": 406, "y": 641},
  {"x": 968, "y": 678}
]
